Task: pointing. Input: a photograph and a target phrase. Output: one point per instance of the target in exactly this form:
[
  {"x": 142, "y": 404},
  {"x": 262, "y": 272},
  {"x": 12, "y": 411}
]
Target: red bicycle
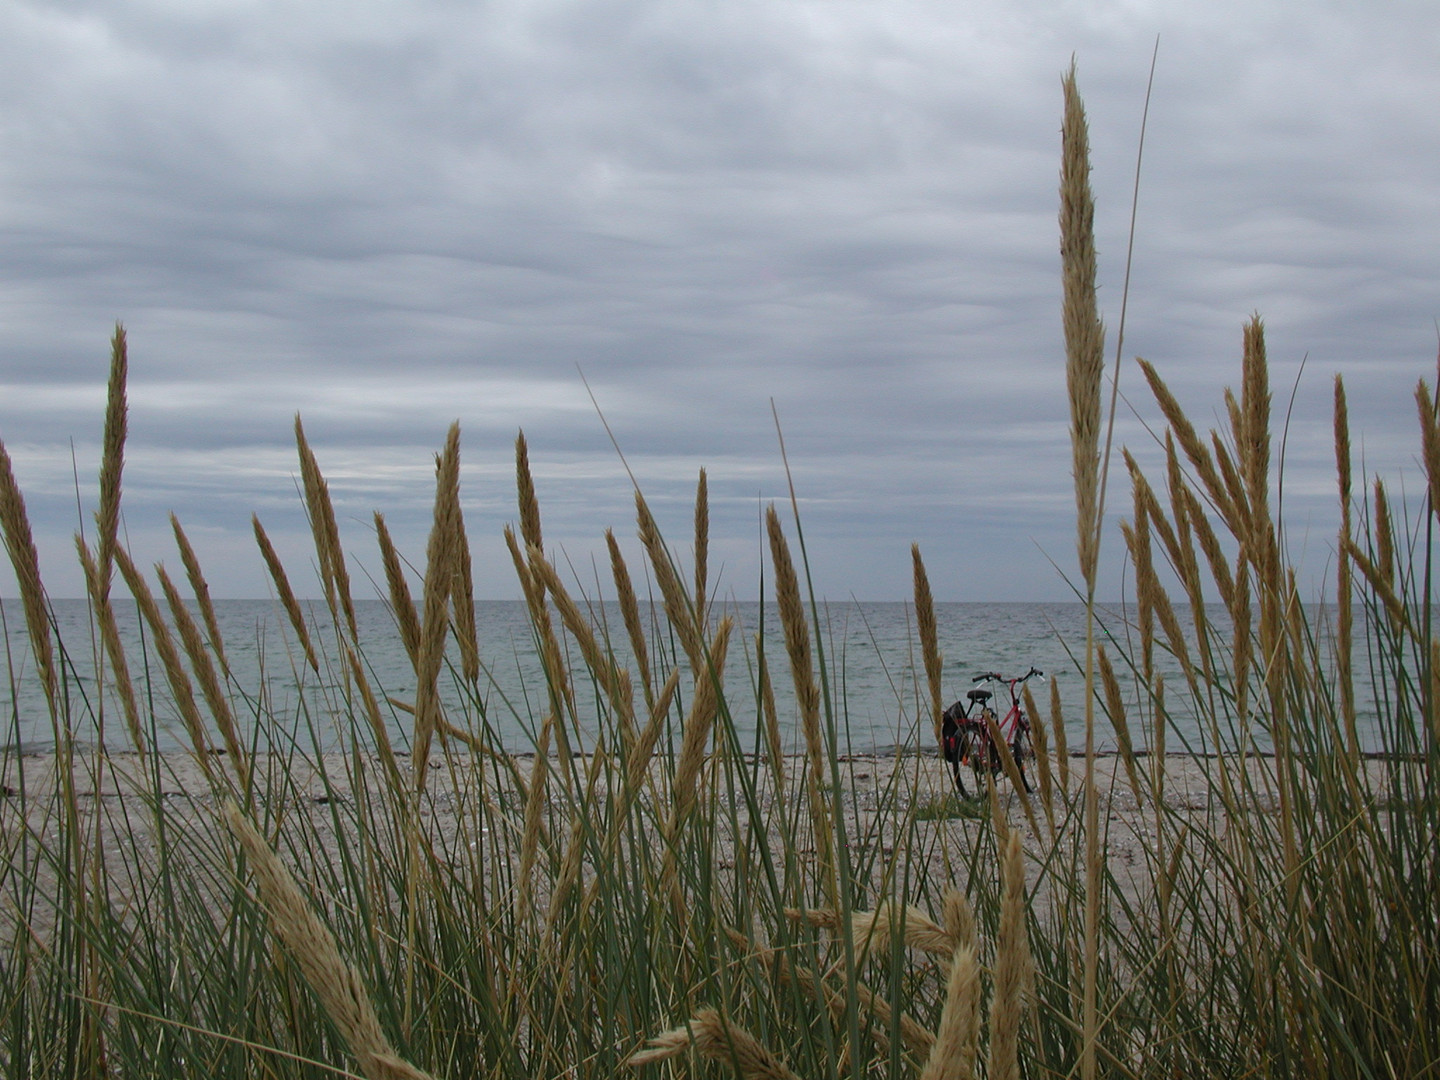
[{"x": 966, "y": 732}]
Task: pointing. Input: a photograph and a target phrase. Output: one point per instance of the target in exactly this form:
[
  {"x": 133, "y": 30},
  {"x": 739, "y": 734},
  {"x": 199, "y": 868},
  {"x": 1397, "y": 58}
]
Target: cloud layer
[{"x": 390, "y": 215}]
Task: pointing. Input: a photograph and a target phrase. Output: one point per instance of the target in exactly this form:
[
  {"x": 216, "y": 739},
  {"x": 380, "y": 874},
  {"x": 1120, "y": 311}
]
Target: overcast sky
[{"x": 388, "y": 216}]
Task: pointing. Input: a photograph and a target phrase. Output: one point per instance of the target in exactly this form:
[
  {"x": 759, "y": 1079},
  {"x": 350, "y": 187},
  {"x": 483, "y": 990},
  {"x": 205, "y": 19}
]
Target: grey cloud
[{"x": 388, "y": 216}]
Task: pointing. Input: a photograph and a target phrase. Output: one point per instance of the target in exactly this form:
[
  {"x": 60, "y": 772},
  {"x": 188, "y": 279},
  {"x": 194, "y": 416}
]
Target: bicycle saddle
[{"x": 981, "y": 696}]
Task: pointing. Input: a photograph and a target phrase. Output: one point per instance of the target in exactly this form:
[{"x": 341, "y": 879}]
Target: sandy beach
[{"x": 882, "y": 793}]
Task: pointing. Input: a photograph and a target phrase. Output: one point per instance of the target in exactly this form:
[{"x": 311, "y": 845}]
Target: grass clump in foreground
[{"x": 646, "y": 890}]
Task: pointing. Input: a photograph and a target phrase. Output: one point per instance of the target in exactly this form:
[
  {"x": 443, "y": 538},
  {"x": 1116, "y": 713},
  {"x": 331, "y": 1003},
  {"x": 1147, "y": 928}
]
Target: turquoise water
[{"x": 871, "y": 651}]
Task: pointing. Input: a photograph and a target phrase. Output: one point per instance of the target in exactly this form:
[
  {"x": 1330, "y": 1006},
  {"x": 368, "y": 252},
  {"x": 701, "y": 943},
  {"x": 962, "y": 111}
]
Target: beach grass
[{"x": 648, "y": 892}]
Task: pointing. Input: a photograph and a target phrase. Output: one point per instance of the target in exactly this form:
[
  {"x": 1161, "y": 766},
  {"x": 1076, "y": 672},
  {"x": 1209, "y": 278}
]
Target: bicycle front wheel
[{"x": 1023, "y": 750}]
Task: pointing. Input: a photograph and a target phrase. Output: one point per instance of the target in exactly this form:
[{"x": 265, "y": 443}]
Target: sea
[{"x": 873, "y": 672}]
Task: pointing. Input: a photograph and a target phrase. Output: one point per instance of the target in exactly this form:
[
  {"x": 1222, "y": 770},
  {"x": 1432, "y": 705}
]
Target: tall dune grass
[{"x": 648, "y": 890}]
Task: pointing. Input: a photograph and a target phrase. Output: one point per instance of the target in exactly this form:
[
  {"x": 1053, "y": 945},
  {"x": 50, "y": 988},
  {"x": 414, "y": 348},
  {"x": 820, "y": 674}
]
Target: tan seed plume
[
  {"x": 557, "y": 674},
  {"x": 698, "y": 724},
  {"x": 956, "y": 1046},
  {"x": 1043, "y": 766},
  {"x": 677, "y": 603},
  {"x": 313, "y": 947},
  {"x": 702, "y": 545},
  {"x": 112, "y": 459},
  {"x": 1057, "y": 728},
  {"x": 534, "y": 814},
  {"x": 333, "y": 572},
  {"x": 1115, "y": 708},
  {"x": 959, "y": 919},
  {"x": 399, "y": 589},
  {"x": 287, "y": 594},
  {"x": 1013, "y": 968},
  {"x": 929, "y": 641},
  {"x": 201, "y": 588},
  {"x": 1255, "y": 396},
  {"x": 718, "y": 1039},
  {"x": 1344, "y": 599},
  {"x": 1429, "y": 441},
  {"x": 693, "y": 747},
  {"x": 774, "y": 749},
  {"x": 807, "y": 692},
  {"x": 525, "y": 490},
  {"x": 462, "y": 599},
  {"x": 204, "y": 668},
  {"x": 375, "y": 719},
  {"x": 20, "y": 545},
  {"x": 1084, "y": 333},
  {"x": 1190, "y": 442},
  {"x": 440, "y": 580},
  {"x": 181, "y": 689},
  {"x": 630, "y": 612},
  {"x": 114, "y": 649},
  {"x": 599, "y": 663}
]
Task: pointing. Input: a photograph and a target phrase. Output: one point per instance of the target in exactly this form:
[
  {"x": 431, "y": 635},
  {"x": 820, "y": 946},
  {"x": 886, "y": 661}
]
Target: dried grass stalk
[
  {"x": 525, "y": 490},
  {"x": 959, "y": 919},
  {"x": 399, "y": 589},
  {"x": 773, "y": 747},
  {"x": 114, "y": 649},
  {"x": 209, "y": 679},
  {"x": 310, "y": 942},
  {"x": 1429, "y": 444},
  {"x": 637, "y": 775},
  {"x": 718, "y": 1039},
  {"x": 112, "y": 459},
  {"x": 1185, "y": 434},
  {"x": 702, "y": 545},
  {"x": 440, "y": 581},
  {"x": 462, "y": 597},
  {"x": 1115, "y": 708},
  {"x": 807, "y": 692},
  {"x": 534, "y": 814},
  {"x": 1344, "y": 589},
  {"x": 677, "y": 603},
  {"x": 693, "y": 746},
  {"x": 1255, "y": 453},
  {"x": 630, "y": 612},
  {"x": 1239, "y": 521},
  {"x": 201, "y": 588},
  {"x": 696, "y": 736},
  {"x": 574, "y": 857},
  {"x": 600, "y": 664},
  {"x": 1084, "y": 333},
  {"x": 181, "y": 688},
  {"x": 1209, "y": 546},
  {"x": 1384, "y": 588},
  {"x": 557, "y": 675},
  {"x": 873, "y": 930},
  {"x": 1043, "y": 765},
  {"x": 1057, "y": 728},
  {"x": 375, "y": 719},
  {"x": 20, "y": 545},
  {"x": 333, "y": 573},
  {"x": 638, "y": 767},
  {"x": 957, "y": 1039},
  {"x": 1013, "y": 969},
  {"x": 1384, "y": 534},
  {"x": 1084, "y": 369},
  {"x": 287, "y": 594},
  {"x": 1145, "y": 494},
  {"x": 1240, "y": 646},
  {"x": 929, "y": 642}
]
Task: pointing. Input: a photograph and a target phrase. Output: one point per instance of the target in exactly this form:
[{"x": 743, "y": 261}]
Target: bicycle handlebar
[{"x": 997, "y": 677}]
